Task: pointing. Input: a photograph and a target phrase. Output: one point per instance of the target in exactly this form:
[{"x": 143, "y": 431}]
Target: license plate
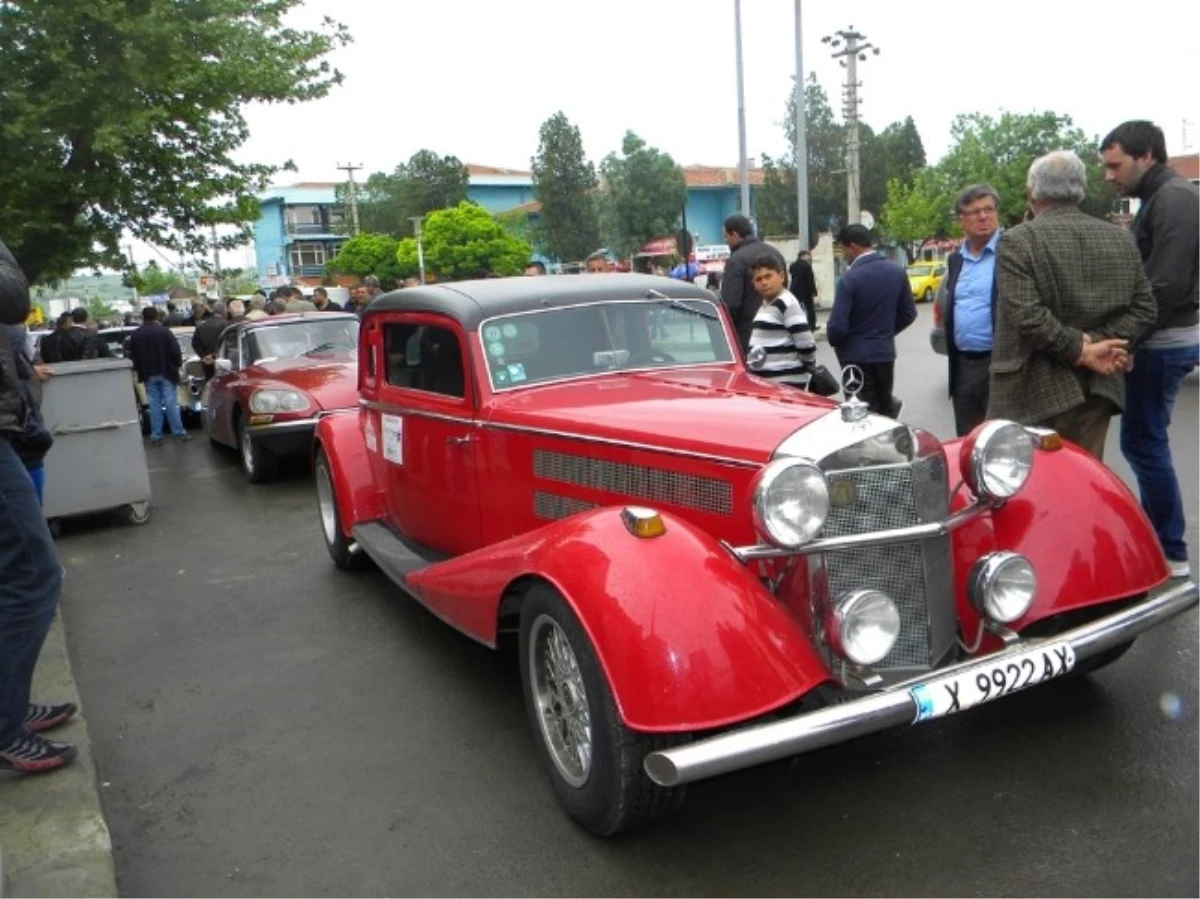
[{"x": 990, "y": 680}]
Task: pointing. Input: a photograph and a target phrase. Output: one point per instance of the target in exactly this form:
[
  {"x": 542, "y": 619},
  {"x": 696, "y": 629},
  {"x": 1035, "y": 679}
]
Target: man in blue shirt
[{"x": 971, "y": 304}]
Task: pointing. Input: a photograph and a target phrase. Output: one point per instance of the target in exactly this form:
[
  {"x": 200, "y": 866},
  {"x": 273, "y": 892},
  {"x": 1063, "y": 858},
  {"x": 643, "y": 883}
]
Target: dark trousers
[
  {"x": 1085, "y": 425},
  {"x": 878, "y": 378},
  {"x": 1150, "y": 392},
  {"x": 30, "y": 578},
  {"x": 970, "y": 398},
  {"x": 810, "y": 309}
]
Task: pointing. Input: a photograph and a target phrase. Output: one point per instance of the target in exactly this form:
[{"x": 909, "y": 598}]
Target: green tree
[
  {"x": 916, "y": 211},
  {"x": 895, "y": 153},
  {"x": 460, "y": 242},
  {"x": 417, "y": 187},
  {"x": 367, "y": 254},
  {"x": 153, "y": 280},
  {"x": 825, "y": 138},
  {"x": 643, "y": 194},
  {"x": 563, "y": 181},
  {"x": 998, "y": 151},
  {"x": 126, "y": 116},
  {"x": 100, "y": 311}
]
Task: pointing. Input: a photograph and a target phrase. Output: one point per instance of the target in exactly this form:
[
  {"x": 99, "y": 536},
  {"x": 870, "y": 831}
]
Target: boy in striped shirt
[{"x": 780, "y": 327}]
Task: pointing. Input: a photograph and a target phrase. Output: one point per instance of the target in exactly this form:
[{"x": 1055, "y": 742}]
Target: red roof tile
[
  {"x": 1186, "y": 166},
  {"x": 718, "y": 176}
]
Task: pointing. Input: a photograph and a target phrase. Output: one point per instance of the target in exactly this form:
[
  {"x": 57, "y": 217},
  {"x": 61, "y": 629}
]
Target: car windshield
[
  {"x": 920, "y": 271},
  {"x": 553, "y": 344},
  {"x": 293, "y": 339}
]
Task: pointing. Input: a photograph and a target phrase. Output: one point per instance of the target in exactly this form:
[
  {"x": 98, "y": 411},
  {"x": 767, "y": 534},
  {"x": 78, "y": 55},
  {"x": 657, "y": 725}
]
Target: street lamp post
[{"x": 416, "y": 221}]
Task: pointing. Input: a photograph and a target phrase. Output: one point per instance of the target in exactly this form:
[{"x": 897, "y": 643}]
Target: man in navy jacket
[{"x": 873, "y": 304}]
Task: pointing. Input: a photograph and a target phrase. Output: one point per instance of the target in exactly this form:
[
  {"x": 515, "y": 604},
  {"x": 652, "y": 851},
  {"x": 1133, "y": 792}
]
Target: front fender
[
  {"x": 687, "y": 637},
  {"x": 1076, "y": 521},
  {"x": 359, "y": 499}
]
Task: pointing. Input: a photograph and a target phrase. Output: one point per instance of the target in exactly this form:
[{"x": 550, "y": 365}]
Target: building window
[
  {"x": 307, "y": 254},
  {"x": 304, "y": 215}
]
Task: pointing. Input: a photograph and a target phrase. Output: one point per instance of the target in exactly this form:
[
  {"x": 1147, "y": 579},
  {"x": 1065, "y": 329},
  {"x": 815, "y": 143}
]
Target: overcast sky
[{"x": 476, "y": 78}]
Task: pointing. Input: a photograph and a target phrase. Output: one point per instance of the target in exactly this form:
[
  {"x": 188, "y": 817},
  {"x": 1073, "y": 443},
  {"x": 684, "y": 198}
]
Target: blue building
[{"x": 302, "y": 226}]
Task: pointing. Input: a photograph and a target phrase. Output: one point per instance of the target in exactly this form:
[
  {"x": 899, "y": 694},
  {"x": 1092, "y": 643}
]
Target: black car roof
[{"x": 471, "y": 302}]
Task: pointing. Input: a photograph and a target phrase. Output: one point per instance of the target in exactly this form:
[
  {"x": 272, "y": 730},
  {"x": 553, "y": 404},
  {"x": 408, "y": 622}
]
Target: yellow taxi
[{"x": 925, "y": 278}]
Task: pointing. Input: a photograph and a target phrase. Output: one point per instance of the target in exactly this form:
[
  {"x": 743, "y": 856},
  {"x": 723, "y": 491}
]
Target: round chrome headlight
[
  {"x": 863, "y": 626},
  {"x": 267, "y": 401},
  {"x": 996, "y": 459},
  {"x": 791, "y": 501},
  {"x": 1002, "y": 586}
]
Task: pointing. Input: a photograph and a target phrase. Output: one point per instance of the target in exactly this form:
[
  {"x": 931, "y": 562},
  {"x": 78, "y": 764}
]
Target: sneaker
[
  {"x": 31, "y": 754},
  {"x": 156, "y": 441},
  {"x": 897, "y": 407},
  {"x": 1179, "y": 568},
  {"x": 43, "y": 717},
  {"x": 183, "y": 438}
]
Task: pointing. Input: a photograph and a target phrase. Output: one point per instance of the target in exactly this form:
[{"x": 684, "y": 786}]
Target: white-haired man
[{"x": 1072, "y": 296}]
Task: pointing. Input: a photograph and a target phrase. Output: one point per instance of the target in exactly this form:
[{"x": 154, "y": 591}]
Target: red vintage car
[
  {"x": 274, "y": 376},
  {"x": 703, "y": 570}
]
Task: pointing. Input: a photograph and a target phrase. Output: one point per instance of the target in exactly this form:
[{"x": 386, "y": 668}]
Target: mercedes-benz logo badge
[{"x": 852, "y": 380}]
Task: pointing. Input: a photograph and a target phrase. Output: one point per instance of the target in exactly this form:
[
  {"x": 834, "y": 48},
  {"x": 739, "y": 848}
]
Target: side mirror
[
  {"x": 756, "y": 358},
  {"x": 222, "y": 366}
]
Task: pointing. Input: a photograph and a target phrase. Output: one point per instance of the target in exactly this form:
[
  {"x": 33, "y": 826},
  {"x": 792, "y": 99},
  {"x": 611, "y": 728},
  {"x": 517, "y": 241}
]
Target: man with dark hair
[
  {"x": 320, "y": 299},
  {"x": 737, "y": 282},
  {"x": 1167, "y": 231},
  {"x": 207, "y": 335},
  {"x": 873, "y": 304},
  {"x": 156, "y": 358},
  {"x": 803, "y": 285},
  {"x": 971, "y": 304},
  {"x": 535, "y": 268},
  {"x": 50, "y": 346},
  {"x": 30, "y": 572},
  {"x": 78, "y": 342}
]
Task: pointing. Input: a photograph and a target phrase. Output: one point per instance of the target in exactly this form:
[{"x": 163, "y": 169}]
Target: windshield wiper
[
  {"x": 664, "y": 300},
  {"x": 321, "y": 347}
]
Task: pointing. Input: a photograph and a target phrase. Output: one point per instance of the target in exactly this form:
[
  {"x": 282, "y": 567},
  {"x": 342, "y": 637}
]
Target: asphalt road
[{"x": 266, "y": 725}]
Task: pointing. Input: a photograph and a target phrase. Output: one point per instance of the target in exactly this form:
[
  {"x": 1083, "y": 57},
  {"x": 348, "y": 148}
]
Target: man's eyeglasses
[{"x": 980, "y": 213}]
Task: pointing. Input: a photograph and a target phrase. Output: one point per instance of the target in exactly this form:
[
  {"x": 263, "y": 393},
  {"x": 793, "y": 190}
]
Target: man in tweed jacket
[{"x": 1072, "y": 296}]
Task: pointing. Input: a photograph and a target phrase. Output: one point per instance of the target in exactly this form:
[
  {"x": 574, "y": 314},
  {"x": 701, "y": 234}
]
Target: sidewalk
[{"x": 53, "y": 839}]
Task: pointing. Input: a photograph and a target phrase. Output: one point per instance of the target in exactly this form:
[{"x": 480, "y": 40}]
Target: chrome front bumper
[{"x": 895, "y": 705}]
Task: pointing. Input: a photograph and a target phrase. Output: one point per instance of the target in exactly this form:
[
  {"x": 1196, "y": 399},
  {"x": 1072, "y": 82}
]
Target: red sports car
[
  {"x": 703, "y": 570},
  {"x": 274, "y": 377}
]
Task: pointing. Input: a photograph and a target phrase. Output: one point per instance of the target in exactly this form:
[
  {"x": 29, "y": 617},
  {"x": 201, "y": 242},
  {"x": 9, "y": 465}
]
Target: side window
[
  {"x": 424, "y": 357},
  {"x": 229, "y": 349},
  {"x": 939, "y": 271}
]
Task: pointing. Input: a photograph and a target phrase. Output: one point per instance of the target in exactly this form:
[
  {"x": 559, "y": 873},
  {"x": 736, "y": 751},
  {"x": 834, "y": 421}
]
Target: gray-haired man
[
  {"x": 971, "y": 304},
  {"x": 1072, "y": 298}
]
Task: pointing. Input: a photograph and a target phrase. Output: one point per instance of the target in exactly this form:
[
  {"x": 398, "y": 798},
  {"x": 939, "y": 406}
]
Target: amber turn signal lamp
[{"x": 643, "y": 522}]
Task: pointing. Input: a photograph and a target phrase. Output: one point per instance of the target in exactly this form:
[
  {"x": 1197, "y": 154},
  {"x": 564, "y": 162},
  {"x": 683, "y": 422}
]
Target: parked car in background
[
  {"x": 924, "y": 278},
  {"x": 274, "y": 377},
  {"x": 702, "y": 570}
]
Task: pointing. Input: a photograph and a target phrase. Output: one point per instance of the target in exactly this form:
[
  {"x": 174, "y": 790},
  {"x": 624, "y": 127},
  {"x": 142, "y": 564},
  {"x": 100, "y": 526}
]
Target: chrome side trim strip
[
  {"x": 418, "y": 413},
  {"x": 863, "y": 541},
  {"x": 762, "y": 743}
]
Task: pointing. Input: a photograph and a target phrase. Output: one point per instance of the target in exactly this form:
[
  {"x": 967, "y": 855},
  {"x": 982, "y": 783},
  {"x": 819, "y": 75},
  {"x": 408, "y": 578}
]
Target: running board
[{"x": 396, "y": 556}]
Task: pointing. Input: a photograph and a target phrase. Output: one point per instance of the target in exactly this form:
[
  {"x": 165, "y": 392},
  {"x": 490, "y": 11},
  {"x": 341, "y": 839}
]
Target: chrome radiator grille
[{"x": 916, "y": 575}]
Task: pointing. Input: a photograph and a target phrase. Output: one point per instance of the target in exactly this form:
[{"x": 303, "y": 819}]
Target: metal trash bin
[{"x": 98, "y": 460}]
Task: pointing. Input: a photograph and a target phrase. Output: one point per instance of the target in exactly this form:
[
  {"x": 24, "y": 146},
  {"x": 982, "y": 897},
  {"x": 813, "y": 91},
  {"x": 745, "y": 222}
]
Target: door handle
[{"x": 460, "y": 441}]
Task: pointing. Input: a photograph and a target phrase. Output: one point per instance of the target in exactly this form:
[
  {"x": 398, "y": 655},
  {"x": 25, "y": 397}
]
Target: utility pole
[
  {"x": 801, "y": 143},
  {"x": 216, "y": 260},
  {"x": 744, "y": 163},
  {"x": 133, "y": 272},
  {"x": 350, "y": 169},
  {"x": 855, "y": 52},
  {"x": 416, "y": 223},
  {"x": 1186, "y": 146}
]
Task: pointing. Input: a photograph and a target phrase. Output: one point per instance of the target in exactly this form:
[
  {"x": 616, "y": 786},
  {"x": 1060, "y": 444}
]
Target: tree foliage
[
  {"x": 916, "y": 211},
  {"x": 386, "y": 203},
  {"x": 153, "y": 280},
  {"x": 125, "y": 116},
  {"x": 367, "y": 254},
  {"x": 895, "y": 153},
  {"x": 461, "y": 242},
  {"x": 643, "y": 193},
  {"x": 563, "y": 181}
]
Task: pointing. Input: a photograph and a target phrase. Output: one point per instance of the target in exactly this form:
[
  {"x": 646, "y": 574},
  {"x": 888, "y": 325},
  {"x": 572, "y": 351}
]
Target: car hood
[
  {"x": 707, "y": 411},
  {"x": 330, "y": 380}
]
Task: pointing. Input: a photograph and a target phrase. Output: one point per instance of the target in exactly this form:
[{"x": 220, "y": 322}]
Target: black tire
[
  {"x": 136, "y": 513},
  {"x": 927, "y": 296},
  {"x": 610, "y": 793},
  {"x": 258, "y": 463},
  {"x": 327, "y": 504}
]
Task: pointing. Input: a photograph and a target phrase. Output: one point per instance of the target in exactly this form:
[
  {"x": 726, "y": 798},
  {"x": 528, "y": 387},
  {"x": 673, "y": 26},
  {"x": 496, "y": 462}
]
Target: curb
[{"x": 53, "y": 837}]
